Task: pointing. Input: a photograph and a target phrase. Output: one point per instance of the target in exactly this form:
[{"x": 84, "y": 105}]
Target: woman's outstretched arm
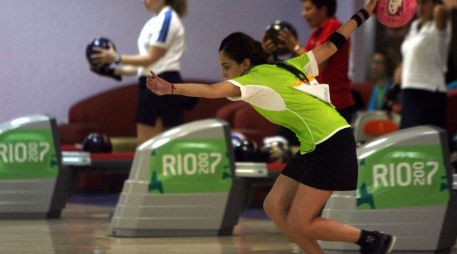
[
  {"x": 327, "y": 49},
  {"x": 223, "y": 89}
]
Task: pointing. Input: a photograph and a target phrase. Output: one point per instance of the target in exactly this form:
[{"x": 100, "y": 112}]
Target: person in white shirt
[
  {"x": 425, "y": 52},
  {"x": 161, "y": 45}
]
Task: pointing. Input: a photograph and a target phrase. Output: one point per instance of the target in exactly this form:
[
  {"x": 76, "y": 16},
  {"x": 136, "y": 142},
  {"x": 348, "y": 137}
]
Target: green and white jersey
[{"x": 270, "y": 90}]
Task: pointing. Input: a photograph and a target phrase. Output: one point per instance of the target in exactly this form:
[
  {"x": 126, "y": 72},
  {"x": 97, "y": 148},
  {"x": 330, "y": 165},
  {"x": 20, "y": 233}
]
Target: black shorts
[
  {"x": 170, "y": 108},
  {"x": 331, "y": 166}
]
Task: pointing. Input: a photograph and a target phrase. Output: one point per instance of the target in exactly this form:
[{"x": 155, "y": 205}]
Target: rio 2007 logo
[{"x": 23, "y": 152}]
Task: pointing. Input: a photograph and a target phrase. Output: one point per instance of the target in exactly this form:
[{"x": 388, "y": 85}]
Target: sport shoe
[{"x": 382, "y": 243}]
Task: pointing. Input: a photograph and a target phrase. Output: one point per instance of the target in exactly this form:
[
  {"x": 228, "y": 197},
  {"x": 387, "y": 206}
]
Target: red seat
[{"x": 379, "y": 127}]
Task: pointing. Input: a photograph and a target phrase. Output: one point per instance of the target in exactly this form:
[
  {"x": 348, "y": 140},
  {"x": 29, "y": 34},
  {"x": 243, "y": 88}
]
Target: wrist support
[
  {"x": 337, "y": 39},
  {"x": 357, "y": 16}
]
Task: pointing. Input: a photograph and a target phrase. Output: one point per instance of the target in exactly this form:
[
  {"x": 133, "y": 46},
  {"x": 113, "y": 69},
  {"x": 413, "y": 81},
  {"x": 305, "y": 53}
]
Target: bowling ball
[
  {"x": 237, "y": 141},
  {"x": 98, "y": 42},
  {"x": 237, "y": 138},
  {"x": 250, "y": 151},
  {"x": 244, "y": 149},
  {"x": 97, "y": 143},
  {"x": 395, "y": 13},
  {"x": 276, "y": 149},
  {"x": 272, "y": 33}
]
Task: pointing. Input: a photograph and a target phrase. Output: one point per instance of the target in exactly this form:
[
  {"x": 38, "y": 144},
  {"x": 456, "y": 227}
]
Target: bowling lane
[{"x": 84, "y": 229}]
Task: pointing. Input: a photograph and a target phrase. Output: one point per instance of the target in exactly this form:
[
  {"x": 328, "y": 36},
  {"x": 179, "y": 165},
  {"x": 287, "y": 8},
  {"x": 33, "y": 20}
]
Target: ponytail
[{"x": 299, "y": 74}]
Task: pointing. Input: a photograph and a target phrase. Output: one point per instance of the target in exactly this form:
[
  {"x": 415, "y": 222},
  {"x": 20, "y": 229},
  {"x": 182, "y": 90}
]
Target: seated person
[{"x": 382, "y": 70}]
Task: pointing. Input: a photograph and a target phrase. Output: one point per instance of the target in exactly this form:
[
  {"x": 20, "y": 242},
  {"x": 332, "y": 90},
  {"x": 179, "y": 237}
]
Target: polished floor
[{"x": 83, "y": 229}]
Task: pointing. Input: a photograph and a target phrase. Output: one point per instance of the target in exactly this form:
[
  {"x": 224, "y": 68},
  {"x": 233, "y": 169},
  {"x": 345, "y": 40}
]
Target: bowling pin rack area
[{"x": 85, "y": 162}]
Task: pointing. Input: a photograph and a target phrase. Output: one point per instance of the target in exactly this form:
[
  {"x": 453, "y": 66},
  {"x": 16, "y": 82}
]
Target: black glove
[{"x": 106, "y": 71}]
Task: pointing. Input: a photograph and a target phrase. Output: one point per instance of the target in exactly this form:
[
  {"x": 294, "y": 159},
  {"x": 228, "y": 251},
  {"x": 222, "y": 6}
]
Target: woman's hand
[
  {"x": 103, "y": 56},
  {"x": 288, "y": 40},
  {"x": 268, "y": 46},
  {"x": 370, "y": 6},
  {"x": 158, "y": 85}
]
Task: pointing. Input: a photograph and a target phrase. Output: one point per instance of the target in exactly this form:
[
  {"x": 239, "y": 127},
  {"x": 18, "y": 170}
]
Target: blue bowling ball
[
  {"x": 237, "y": 141},
  {"x": 98, "y": 42}
]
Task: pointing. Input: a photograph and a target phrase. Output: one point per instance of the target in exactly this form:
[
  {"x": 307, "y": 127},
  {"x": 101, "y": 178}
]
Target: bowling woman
[
  {"x": 425, "y": 53},
  {"x": 161, "y": 45},
  {"x": 327, "y": 159}
]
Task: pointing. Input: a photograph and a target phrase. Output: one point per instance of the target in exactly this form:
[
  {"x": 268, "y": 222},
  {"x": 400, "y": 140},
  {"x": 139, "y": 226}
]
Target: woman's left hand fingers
[{"x": 370, "y": 6}]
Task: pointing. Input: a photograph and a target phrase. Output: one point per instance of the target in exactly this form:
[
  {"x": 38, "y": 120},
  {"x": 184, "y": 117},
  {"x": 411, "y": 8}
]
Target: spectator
[
  {"x": 320, "y": 15},
  {"x": 382, "y": 70},
  {"x": 425, "y": 52}
]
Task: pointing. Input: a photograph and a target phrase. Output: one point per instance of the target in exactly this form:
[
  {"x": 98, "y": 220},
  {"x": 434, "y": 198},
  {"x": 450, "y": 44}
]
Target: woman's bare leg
[
  {"x": 277, "y": 206},
  {"x": 145, "y": 132},
  {"x": 304, "y": 221}
]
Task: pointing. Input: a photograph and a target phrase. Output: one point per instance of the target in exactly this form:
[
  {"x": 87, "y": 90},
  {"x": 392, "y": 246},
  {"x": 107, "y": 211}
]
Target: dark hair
[
  {"x": 330, "y": 4},
  {"x": 297, "y": 73},
  {"x": 391, "y": 60},
  {"x": 179, "y": 6},
  {"x": 239, "y": 46}
]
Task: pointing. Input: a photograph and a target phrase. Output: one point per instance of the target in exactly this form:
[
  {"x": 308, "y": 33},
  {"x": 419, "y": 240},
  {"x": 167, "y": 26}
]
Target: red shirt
[{"x": 335, "y": 73}]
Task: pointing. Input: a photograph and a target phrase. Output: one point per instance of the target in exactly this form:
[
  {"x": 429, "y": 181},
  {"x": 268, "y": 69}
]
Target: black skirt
[{"x": 331, "y": 166}]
